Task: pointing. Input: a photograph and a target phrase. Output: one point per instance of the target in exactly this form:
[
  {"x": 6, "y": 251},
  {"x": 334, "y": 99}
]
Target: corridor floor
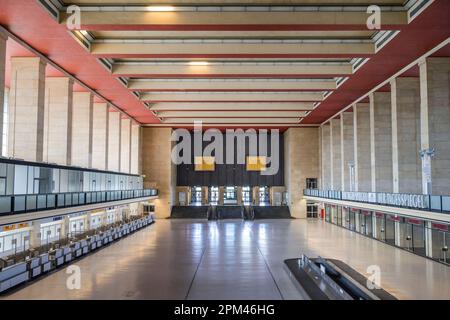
[{"x": 183, "y": 259}]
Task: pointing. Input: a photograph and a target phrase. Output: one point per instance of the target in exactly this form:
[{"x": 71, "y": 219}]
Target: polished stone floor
[{"x": 234, "y": 260}]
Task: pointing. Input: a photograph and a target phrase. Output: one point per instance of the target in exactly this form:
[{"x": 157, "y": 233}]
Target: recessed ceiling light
[{"x": 160, "y": 8}]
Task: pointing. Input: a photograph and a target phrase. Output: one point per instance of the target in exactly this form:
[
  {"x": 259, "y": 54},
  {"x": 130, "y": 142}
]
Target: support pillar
[
  {"x": 82, "y": 127},
  {"x": 348, "y": 150},
  {"x": 407, "y": 167},
  {"x": 363, "y": 166},
  {"x": 100, "y": 132},
  {"x": 135, "y": 148},
  {"x": 336, "y": 155},
  {"x": 35, "y": 234},
  {"x": 114, "y": 141},
  {"x": 435, "y": 125},
  {"x": 3, "y": 42},
  {"x": 326, "y": 157},
  {"x": 58, "y": 120},
  {"x": 381, "y": 142},
  {"x": 159, "y": 171},
  {"x": 300, "y": 162},
  {"x": 26, "y": 109},
  {"x": 125, "y": 145}
]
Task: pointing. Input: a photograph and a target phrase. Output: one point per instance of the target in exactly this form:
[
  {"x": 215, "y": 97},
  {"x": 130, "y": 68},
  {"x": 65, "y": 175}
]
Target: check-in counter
[
  {"x": 76, "y": 249},
  {"x": 45, "y": 262},
  {"x": 99, "y": 240},
  {"x": 13, "y": 276},
  {"x": 84, "y": 246},
  {"x": 67, "y": 252},
  {"x": 34, "y": 265},
  {"x": 57, "y": 257},
  {"x": 93, "y": 242}
]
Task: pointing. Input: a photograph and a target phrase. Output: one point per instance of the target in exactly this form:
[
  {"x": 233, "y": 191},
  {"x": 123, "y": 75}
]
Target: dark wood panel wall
[{"x": 232, "y": 174}]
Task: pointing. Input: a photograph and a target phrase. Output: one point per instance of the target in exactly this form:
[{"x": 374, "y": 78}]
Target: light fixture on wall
[
  {"x": 199, "y": 63},
  {"x": 160, "y": 8}
]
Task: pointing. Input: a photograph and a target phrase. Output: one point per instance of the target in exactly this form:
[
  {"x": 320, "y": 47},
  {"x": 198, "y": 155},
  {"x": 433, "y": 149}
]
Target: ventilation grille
[
  {"x": 106, "y": 63},
  {"x": 50, "y": 7},
  {"x": 417, "y": 8}
]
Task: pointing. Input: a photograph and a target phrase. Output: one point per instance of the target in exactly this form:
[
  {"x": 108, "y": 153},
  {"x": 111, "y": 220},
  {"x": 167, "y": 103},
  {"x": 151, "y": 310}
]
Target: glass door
[
  {"x": 333, "y": 215},
  {"x": 390, "y": 230},
  {"x": 246, "y": 196},
  {"x": 230, "y": 196},
  {"x": 346, "y": 217},
  {"x": 264, "y": 196},
  {"x": 381, "y": 235},
  {"x": 196, "y": 198},
  {"x": 351, "y": 216},
  {"x": 358, "y": 222},
  {"x": 214, "y": 195},
  {"x": 440, "y": 242},
  {"x": 368, "y": 228},
  {"x": 339, "y": 215},
  {"x": 327, "y": 213}
]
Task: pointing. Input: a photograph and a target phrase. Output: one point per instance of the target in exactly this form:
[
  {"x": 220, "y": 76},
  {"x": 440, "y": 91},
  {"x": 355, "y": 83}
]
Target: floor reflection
[{"x": 234, "y": 260}]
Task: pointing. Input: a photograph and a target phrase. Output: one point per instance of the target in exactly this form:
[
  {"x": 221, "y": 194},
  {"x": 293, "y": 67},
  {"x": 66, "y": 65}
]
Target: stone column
[
  {"x": 114, "y": 135},
  {"x": 363, "y": 167},
  {"x": 407, "y": 167},
  {"x": 158, "y": 169},
  {"x": 435, "y": 124},
  {"x": 125, "y": 145},
  {"x": 301, "y": 162},
  {"x": 100, "y": 132},
  {"x": 205, "y": 198},
  {"x": 347, "y": 147},
  {"x": 336, "y": 155},
  {"x": 326, "y": 157},
  {"x": 35, "y": 234},
  {"x": 3, "y": 42},
  {"x": 135, "y": 148},
  {"x": 82, "y": 127},
  {"x": 320, "y": 184},
  {"x": 26, "y": 108},
  {"x": 221, "y": 196},
  {"x": 58, "y": 120},
  {"x": 381, "y": 142}
]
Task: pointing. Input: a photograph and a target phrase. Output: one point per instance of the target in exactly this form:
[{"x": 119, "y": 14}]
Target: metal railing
[
  {"x": 399, "y": 200},
  {"x": 15, "y": 204}
]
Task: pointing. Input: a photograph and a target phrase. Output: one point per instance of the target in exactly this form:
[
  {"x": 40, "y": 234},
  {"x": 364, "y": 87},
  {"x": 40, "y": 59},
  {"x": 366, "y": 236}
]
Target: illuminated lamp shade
[
  {"x": 256, "y": 163},
  {"x": 205, "y": 164},
  {"x": 160, "y": 8}
]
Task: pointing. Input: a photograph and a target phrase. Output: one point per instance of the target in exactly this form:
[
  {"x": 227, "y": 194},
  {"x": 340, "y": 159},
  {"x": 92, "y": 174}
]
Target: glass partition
[
  {"x": 24, "y": 178},
  {"x": 27, "y": 186},
  {"x": 230, "y": 195}
]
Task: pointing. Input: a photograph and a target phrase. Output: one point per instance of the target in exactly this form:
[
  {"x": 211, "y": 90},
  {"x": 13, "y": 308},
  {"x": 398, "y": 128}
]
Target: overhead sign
[{"x": 416, "y": 201}]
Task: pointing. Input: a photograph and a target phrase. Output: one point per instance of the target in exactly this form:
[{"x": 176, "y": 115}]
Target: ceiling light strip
[
  {"x": 218, "y": 8},
  {"x": 232, "y": 80},
  {"x": 232, "y": 41},
  {"x": 233, "y": 63}
]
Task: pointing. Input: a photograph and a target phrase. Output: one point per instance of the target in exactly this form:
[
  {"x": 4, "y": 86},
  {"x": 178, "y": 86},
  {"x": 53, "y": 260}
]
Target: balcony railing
[
  {"x": 408, "y": 201},
  {"x": 15, "y": 204}
]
